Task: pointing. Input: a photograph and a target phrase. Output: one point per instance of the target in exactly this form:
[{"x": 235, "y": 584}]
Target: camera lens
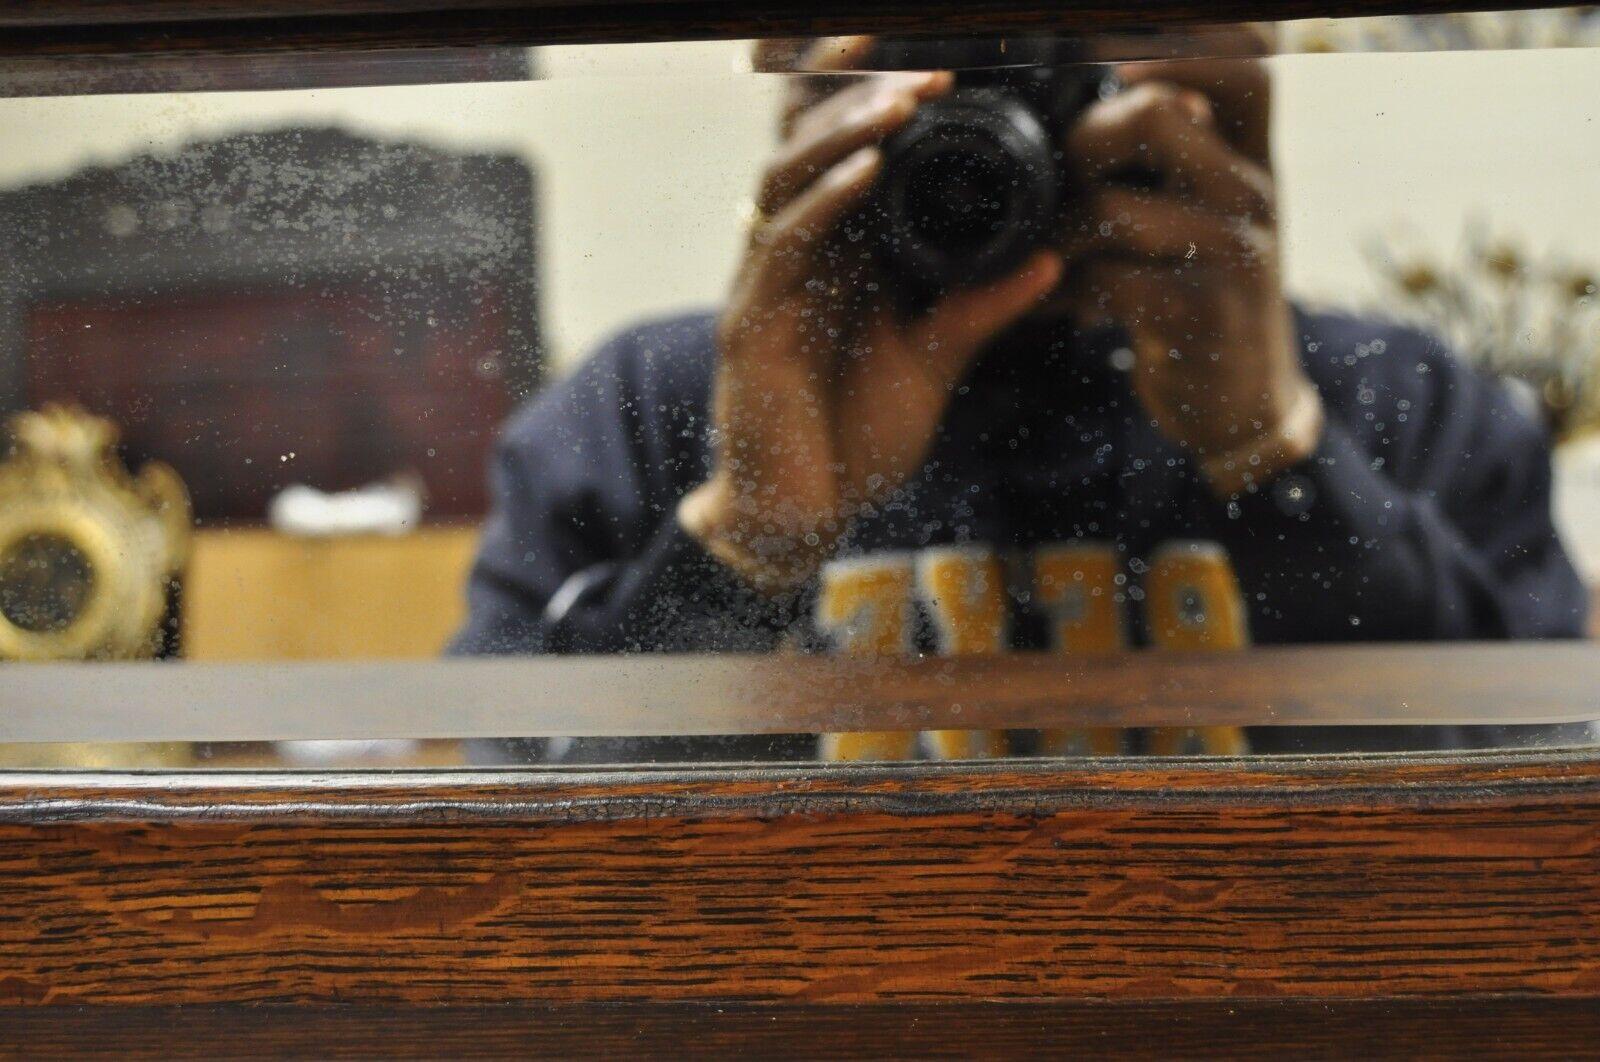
[
  {"x": 970, "y": 188},
  {"x": 958, "y": 199}
]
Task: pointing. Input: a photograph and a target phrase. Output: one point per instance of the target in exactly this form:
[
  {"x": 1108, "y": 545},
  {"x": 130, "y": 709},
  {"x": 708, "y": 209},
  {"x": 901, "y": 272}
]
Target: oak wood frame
[{"x": 1325, "y": 903}]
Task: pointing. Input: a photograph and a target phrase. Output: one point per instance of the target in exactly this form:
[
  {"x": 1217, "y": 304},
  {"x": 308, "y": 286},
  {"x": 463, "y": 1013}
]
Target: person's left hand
[{"x": 1190, "y": 268}]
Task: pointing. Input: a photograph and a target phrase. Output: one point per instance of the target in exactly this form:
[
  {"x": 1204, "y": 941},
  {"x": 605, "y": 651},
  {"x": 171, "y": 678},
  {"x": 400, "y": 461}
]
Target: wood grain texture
[
  {"x": 128, "y": 27},
  {"x": 1332, "y": 879}
]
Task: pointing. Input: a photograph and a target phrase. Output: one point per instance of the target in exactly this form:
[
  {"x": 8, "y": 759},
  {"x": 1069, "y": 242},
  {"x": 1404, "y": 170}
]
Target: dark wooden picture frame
[{"x": 1361, "y": 906}]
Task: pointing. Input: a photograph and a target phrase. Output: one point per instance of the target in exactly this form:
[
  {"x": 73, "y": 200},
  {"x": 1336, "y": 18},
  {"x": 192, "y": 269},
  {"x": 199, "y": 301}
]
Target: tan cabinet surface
[{"x": 253, "y": 594}]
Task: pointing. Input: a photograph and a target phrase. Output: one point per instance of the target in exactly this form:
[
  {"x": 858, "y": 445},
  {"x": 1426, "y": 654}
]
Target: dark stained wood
[
  {"x": 87, "y": 27},
  {"x": 1480, "y": 1027},
  {"x": 1335, "y": 879},
  {"x": 77, "y": 12},
  {"x": 183, "y": 72}
]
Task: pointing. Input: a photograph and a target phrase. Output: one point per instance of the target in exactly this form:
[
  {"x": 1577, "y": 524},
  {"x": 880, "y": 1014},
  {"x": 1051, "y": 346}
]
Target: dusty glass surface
[{"x": 908, "y": 354}]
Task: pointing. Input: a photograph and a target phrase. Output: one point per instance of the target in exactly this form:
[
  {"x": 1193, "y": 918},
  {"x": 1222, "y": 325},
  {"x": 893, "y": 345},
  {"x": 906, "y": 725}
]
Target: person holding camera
[{"x": 1112, "y": 362}]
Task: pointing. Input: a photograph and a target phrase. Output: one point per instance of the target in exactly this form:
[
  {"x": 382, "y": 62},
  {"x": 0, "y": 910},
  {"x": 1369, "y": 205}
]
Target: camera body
[{"x": 976, "y": 181}]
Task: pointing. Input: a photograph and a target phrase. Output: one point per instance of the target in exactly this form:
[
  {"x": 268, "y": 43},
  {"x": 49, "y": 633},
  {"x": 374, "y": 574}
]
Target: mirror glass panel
[{"x": 1193, "y": 393}]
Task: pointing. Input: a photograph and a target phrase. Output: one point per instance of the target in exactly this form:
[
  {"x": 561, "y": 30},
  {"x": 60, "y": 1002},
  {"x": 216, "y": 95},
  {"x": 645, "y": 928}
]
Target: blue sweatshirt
[{"x": 1423, "y": 514}]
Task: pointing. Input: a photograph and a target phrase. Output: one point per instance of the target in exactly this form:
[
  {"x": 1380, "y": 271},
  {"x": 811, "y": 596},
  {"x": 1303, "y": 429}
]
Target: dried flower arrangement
[
  {"x": 1510, "y": 314},
  {"x": 1567, "y": 27},
  {"x": 1532, "y": 320}
]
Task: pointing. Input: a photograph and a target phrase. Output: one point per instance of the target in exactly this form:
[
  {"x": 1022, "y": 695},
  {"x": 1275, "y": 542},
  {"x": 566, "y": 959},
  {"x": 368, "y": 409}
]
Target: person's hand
[
  {"x": 1190, "y": 268},
  {"x": 826, "y": 398}
]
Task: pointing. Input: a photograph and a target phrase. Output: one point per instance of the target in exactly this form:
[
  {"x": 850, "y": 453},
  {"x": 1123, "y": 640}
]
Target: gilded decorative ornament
[{"x": 88, "y": 552}]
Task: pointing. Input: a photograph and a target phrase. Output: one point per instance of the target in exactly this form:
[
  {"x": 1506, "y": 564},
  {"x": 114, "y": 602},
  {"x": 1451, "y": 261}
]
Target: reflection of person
[{"x": 1142, "y": 382}]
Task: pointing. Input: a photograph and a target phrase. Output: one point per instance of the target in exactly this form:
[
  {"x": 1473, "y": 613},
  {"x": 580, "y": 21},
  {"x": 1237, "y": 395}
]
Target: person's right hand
[{"x": 826, "y": 397}]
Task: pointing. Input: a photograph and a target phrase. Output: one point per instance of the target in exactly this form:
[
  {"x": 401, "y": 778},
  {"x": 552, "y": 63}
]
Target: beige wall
[
  {"x": 646, "y": 152},
  {"x": 1410, "y": 147}
]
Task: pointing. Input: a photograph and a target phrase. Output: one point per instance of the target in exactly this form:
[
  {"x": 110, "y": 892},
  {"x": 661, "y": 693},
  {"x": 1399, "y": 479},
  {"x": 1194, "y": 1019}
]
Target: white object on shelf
[
  {"x": 334, "y": 753},
  {"x": 393, "y": 507}
]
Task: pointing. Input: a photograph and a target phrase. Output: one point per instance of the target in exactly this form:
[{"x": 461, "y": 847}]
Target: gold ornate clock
[{"x": 88, "y": 552}]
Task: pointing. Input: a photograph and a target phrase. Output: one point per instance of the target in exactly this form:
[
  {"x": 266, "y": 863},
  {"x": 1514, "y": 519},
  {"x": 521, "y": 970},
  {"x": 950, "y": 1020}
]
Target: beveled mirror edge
[
  {"x": 652, "y": 694},
  {"x": 578, "y": 792}
]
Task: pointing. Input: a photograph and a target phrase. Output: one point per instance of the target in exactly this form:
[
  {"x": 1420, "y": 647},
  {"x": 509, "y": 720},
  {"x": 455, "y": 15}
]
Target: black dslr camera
[{"x": 976, "y": 180}]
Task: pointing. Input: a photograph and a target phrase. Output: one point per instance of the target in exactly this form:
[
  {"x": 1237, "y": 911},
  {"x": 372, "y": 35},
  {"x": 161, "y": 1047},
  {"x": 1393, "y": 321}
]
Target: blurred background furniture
[
  {"x": 280, "y": 306},
  {"x": 293, "y": 305}
]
